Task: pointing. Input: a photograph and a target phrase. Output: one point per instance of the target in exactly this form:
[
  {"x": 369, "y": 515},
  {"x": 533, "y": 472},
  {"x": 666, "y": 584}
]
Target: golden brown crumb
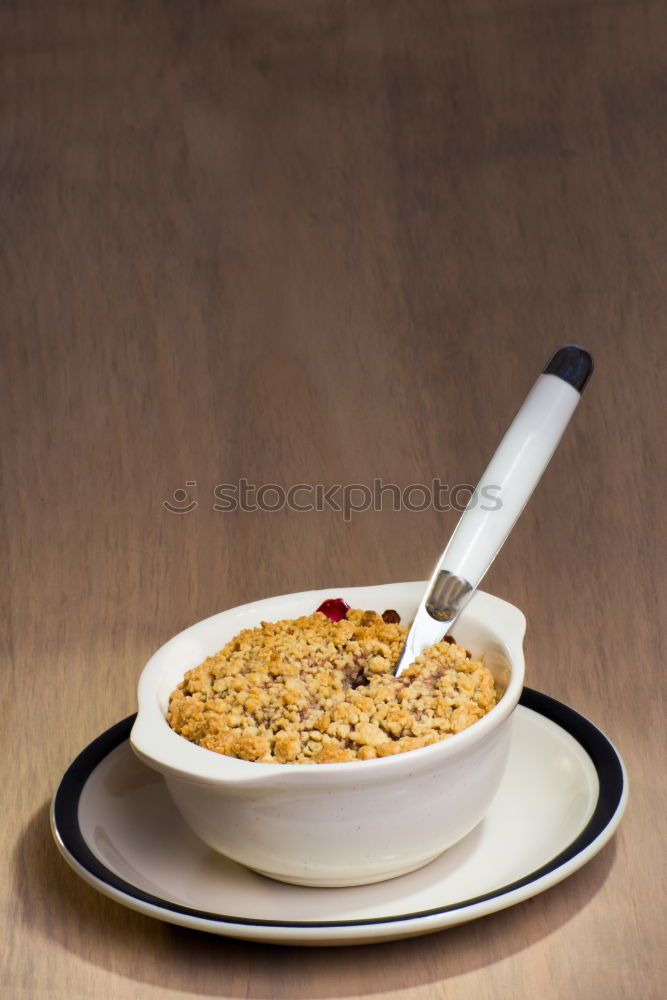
[{"x": 310, "y": 689}]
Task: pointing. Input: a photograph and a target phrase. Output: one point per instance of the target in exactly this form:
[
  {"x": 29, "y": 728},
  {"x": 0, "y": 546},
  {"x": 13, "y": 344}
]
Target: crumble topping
[{"x": 315, "y": 690}]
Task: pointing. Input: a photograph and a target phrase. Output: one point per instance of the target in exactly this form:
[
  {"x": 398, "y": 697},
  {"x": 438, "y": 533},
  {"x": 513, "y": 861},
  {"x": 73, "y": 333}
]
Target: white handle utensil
[{"x": 501, "y": 494}]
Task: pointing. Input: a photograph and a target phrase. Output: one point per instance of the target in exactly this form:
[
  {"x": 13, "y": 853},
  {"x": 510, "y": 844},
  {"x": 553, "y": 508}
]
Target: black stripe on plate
[{"x": 590, "y": 738}]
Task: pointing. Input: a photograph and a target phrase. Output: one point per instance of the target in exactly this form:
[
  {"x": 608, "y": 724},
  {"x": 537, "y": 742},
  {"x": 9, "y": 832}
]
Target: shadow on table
[{"x": 54, "y": 902}]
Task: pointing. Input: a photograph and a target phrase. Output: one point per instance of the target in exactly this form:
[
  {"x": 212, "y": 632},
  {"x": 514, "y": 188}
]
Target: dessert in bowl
[
  {"x": 321, "y": 689},
  {"x": 353, "y": 820}
]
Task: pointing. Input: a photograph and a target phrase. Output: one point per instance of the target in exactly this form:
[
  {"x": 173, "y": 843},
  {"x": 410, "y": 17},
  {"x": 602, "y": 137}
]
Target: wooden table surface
[{"x": 325, "y": 242}]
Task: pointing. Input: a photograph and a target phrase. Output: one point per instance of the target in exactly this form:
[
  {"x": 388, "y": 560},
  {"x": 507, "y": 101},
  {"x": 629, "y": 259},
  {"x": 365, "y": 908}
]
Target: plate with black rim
[{"x": 562, "y": 796}]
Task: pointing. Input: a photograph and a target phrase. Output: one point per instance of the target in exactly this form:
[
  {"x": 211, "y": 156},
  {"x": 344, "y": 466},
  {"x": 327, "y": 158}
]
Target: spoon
[{"x": 510, "y": 478}]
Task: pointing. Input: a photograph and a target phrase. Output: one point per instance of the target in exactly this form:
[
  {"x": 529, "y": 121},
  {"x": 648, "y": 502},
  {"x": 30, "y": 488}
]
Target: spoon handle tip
[{"x": 571, "y": 363}]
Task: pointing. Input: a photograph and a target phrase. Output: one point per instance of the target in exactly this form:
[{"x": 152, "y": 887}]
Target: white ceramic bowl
[{"x": 335, "y": 824}]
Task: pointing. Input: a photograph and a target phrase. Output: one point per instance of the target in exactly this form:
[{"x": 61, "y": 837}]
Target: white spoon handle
[
  {"x": 510, "y": 478},
  {"x": 500, "y": 496}
]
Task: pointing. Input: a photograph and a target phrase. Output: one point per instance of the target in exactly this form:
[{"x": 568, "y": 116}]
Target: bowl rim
[{"x": 165, "y": 750}]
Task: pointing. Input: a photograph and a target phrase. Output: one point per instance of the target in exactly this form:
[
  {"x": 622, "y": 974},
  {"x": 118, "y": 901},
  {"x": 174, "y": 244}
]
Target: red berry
[{"x": 334, "y": 608}]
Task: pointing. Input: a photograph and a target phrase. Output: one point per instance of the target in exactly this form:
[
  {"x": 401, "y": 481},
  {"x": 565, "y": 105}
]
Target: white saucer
[{"x": 561, "y": 799}]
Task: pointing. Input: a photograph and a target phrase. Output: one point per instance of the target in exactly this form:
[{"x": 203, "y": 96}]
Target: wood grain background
[{"x": 325, "y": 242}]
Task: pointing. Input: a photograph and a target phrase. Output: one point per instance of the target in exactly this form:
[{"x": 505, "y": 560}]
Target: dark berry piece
[
  {"x": 334, "y": 608},
  {"x": 391, "y": 617}
]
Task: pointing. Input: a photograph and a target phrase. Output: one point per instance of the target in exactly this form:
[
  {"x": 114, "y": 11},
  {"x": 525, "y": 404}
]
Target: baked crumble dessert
[{"x": 321, "y": 689}]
